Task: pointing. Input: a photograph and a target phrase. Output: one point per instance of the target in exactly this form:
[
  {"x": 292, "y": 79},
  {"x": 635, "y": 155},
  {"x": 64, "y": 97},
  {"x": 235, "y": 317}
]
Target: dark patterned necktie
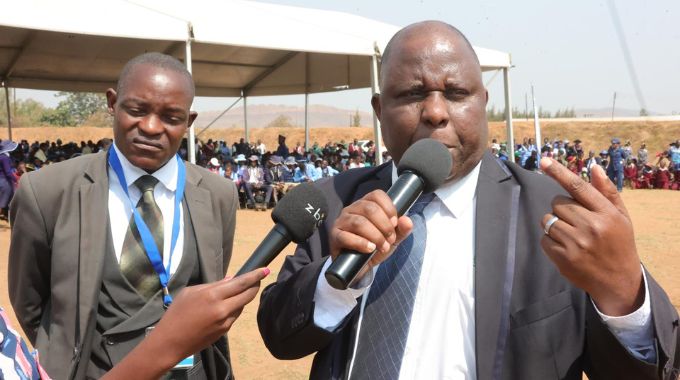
[
  {"x": 134, "y": 262},
  {"x": 389, "y": 307}
]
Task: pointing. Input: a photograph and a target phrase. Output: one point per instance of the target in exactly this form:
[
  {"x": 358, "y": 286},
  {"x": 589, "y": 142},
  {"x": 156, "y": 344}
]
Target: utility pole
[
  {"x": 526, "y": 107},
  {"x": 613, "y": 105}
]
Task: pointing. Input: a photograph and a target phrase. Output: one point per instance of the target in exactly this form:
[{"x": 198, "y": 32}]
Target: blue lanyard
[{"x": 147, "y": 239}]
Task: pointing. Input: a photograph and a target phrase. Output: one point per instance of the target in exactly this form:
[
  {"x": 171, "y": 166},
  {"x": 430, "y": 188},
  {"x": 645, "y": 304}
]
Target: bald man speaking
[{"x": 515, "y": 275}]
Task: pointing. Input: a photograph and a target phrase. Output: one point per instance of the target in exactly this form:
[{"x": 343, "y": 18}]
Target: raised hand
[{"x": 592, "y": 242}]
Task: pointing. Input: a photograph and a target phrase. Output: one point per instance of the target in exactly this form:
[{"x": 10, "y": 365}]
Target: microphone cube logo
[{"x": 315, "y": 213}]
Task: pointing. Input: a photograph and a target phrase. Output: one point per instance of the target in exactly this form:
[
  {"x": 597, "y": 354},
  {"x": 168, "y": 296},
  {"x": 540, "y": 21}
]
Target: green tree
[
  {"x": 356, "y": 119},
  {"x": 75, "y": 109},
  {"x": 643, "y": 112}
]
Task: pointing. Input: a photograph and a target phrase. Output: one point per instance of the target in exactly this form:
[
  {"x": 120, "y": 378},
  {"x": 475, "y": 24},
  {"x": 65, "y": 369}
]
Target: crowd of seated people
[{"x": 640, "y": 171}]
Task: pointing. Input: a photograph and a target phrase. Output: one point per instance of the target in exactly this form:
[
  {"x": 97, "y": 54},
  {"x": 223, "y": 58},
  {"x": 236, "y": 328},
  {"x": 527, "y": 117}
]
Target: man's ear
[
  {"x": 192, "y": 116},
  {"x": 111, "y": 98},
  {"x": 375, "y": 103}
]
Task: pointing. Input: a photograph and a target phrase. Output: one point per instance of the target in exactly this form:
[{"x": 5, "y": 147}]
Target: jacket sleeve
[
  {"x": 607, "y": 358},
  {"x": 30, "y": 258},
  {"x": 286, "y": 313}
]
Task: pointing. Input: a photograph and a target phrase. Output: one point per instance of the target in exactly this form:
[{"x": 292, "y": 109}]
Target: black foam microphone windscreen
[{"x": 296, "y": 217}]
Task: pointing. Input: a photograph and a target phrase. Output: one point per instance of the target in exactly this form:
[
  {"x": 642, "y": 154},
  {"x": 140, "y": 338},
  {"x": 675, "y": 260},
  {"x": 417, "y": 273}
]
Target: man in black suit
[{"x": 498, "y": 274}]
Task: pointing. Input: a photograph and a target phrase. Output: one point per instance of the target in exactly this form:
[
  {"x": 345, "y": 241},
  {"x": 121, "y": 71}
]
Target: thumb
[{"x": 601, "y": 182}]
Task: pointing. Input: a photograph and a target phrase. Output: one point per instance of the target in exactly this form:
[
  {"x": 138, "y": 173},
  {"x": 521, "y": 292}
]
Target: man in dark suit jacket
[
  {"x": 77, "y": 302},
  {"x": 553, "y": 284}
]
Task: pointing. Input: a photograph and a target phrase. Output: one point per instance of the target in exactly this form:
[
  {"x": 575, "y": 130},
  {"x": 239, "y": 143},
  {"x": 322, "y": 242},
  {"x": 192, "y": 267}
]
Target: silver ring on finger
[{"x": 549, "y": 225}]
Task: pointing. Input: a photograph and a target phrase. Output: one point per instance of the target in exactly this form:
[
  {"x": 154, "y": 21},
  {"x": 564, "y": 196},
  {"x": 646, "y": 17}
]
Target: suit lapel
[
  {"x": 381, "y": 180},
  {"x": 497, "y": 195},
  {"x": 199, "y": 204},
  {"x": 93, "y": 230}
]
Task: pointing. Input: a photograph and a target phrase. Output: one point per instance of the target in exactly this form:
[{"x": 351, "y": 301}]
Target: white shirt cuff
[
  {"x": 634, "y": 330},
  {"x": 331, "y": 305}
]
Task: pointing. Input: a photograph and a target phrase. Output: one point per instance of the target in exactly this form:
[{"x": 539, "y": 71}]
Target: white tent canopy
[{"x": 237, "y": 48}]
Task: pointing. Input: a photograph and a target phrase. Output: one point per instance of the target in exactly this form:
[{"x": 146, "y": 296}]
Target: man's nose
[
  {"x": 151, "y": 125},
  {"x": 435, "y": 112}
]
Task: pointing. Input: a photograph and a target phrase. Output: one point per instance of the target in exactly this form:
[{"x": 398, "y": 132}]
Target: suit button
[{"x": 109, "y": 341}]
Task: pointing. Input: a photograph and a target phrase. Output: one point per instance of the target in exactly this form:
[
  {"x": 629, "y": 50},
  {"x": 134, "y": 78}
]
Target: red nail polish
[{"x": 266, "y": 271}]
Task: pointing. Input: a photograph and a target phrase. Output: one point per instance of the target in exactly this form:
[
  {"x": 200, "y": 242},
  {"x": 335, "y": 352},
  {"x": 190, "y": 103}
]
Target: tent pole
[
  {"x": 191, "y": 140},
  {"x": 245, "y": 117},
  {"x": 375, "y": 89},
  {"x": 306, "y": 122},
  {"x": 306, "y": 102},
  {"x": 9, "y": 117},
  {"x": 508, "y": 115}
]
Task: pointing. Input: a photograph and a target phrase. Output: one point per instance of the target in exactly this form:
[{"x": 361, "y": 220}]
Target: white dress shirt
[
  {"x": 120, "y": 210},
  {"x": 444, "y": 308}
]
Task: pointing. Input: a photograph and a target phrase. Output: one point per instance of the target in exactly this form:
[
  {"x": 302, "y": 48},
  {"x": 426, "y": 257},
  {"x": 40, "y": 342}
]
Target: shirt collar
[
  {"x": 167, "y": 174},
  {"x": 457, "y": 195}
]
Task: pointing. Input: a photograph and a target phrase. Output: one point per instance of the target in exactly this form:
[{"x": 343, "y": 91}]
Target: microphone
[
  {"x": 297, "y": 215},
  {"x": 424, "y": 166}
]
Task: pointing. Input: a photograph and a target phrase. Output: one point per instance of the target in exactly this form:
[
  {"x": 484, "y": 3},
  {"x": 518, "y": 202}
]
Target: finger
[
  {"x": 239, "y": 284},
  {"x": 237, "y": 302},
  {"x": 375, "y": 215},
  {"x": 366, "y": 240},
  {"x": 606, "y": 187},
  {"x": 570, "y": 211},
  {"x": 381, "y": 198},
  {"x": 556, "y": 252},
  {"x": 560, "y": 231},
  {"x": 404, "y": 228},
  {"x": 580, "y": 190}
]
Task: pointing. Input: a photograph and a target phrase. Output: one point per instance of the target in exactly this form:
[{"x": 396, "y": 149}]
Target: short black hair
[
  {"x": 397, "y": 36},
  {"x": 154, "y": 59}
]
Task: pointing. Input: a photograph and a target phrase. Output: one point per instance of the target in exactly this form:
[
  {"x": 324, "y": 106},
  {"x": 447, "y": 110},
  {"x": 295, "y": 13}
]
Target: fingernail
[
  {"x": 266, "y": 271},
  {"x": 394, "y": 221},
  {"x": 228, "y": 278},
  {"x": 370, "y": 246},
  {"x": 546, "y": 162},
  {"x": 386, "y": 247}
]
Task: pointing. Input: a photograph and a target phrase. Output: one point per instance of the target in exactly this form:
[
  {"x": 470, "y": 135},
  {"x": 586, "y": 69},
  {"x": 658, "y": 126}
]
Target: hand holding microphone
[{"x": 367, "y": 231}]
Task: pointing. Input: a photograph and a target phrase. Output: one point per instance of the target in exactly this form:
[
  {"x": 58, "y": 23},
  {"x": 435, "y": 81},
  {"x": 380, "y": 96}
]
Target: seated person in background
[
  {"x": 215, "y": 167},
  {"x": 324, "y": 170},
  {"x": 304, "y": 172},
  {"x": 630, "y": 174},
  {"x": 230, "y": 173},
  {"x": 288, "y": 173},
  {"x": 273, "y": 176},
  {"x": 663, "y": 176},
  {"x": 646, "y": 178},
  {"x": 253, "y": 179}
]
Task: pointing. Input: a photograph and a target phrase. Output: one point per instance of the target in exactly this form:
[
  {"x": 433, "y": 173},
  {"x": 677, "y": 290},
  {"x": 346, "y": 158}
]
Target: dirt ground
[{"x": 655, "y": 213}]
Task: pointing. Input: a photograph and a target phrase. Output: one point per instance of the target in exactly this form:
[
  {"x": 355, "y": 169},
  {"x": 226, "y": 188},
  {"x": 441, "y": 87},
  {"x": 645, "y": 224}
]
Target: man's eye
[{"x": 135, "y": 112}]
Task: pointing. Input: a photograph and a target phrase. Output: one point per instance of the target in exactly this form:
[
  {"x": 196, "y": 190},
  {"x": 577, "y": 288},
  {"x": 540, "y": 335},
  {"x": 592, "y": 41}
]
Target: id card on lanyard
[{"x": 148, "y": 241}]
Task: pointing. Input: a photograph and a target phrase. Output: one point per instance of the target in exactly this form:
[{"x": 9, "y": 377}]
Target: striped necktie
[
  {"x": 387, "y": 315},
  {"x": 134, "y": 262}
]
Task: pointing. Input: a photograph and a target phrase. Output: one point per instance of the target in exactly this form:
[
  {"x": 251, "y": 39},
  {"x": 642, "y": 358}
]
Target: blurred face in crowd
[
  {"x": 151, "y": 115},
  {"x": 431, "y": 87}
]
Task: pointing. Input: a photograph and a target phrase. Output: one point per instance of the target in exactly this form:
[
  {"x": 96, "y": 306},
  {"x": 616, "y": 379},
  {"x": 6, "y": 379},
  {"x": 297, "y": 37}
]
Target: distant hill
[{"x": 320, "y": 116}]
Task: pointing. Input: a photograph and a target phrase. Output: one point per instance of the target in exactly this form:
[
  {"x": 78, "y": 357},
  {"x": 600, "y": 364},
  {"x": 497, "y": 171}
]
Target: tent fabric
[{"x": 238, "y": 47}]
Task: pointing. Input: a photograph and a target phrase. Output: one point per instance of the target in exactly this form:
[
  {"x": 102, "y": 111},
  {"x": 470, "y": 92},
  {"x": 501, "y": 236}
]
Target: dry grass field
[
  {"x": 595, "y": 135},
  {"x": 655, "y": 213}
]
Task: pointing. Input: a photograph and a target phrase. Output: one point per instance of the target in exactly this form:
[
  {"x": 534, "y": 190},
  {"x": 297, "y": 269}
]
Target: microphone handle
[
  {"x": 344, "y": 269},
  {"x": 276, "y": 240}
]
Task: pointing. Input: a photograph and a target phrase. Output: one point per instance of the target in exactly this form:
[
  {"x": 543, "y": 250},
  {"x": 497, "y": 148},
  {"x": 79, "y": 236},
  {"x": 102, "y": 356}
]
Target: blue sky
[{"x": 568, "y": 50}]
